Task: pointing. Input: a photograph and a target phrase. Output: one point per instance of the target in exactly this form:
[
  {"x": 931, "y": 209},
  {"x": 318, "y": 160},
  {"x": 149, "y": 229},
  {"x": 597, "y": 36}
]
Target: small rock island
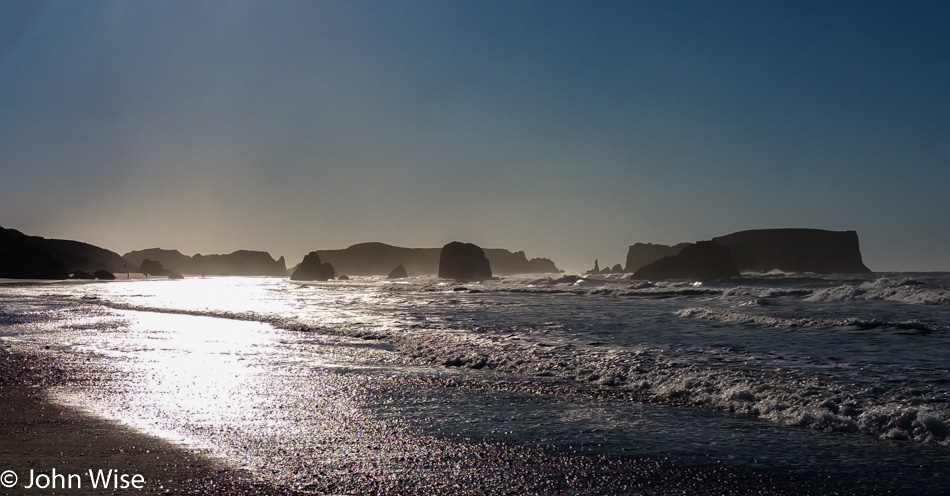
[{"x": 464, "y": 262}]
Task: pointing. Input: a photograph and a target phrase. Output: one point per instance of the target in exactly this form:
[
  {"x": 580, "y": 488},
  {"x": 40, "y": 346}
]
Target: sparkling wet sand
[{"x": 41, "y": 435}]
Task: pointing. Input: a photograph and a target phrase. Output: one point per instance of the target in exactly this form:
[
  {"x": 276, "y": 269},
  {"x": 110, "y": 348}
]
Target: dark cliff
[
  {"x": 643, "y": 254},
  {"x": 238, "y": 263},
  {"x": 795, "y": 250},
  {"x": 761, "y": 250},
  {"x": 33, "y": 257},
  {"x": 704, "y": 260}
]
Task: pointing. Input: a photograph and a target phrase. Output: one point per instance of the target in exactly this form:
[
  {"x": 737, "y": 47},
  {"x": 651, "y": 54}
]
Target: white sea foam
[
  {"x": 737, "y": 317},
  {"x": 648, "y": 341},
  {"x": 902, "y": 290}
]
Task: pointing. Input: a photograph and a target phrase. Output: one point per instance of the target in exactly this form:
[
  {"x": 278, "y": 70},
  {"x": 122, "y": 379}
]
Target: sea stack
[
  {"x": 759, "y": 250},
  {"x": 795, "y": 250},
  {"x": 312, "y": 269},
  {"x": 398, "y": 273},
  {"x": 703, "y": 261},
  {"x": 464, "y": 262}
]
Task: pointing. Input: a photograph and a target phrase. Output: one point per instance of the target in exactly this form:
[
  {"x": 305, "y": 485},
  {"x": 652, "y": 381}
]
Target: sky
[{"x": 569, "y": 130}]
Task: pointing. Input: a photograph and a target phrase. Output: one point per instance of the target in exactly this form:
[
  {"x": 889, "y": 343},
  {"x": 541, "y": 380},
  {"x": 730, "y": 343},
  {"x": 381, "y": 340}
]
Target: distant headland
[
  {"x": 760, "y": 250},
  {"x": 763, "y": 250}
]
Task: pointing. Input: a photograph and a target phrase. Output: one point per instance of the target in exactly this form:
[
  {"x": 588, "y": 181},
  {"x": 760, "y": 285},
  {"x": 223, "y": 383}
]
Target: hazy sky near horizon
[{"x": 569, "y": 130}]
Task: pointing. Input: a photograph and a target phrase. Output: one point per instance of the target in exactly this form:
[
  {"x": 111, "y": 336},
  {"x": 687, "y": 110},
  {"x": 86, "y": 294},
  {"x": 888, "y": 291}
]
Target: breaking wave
[
  {"x": 652, "y": 376},
  {"x": 735, "y": 317},
  {"x": 901, "y": 290}
]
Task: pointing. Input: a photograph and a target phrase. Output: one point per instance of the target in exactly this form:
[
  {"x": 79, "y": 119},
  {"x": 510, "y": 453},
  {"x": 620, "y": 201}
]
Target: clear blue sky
[{"x": 569, "y": 130}]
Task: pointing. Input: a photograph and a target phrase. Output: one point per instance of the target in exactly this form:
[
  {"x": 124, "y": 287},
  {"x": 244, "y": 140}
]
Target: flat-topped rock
[
  {"x": 795, "y": 250},
  {"x": 759, "y": 250}
]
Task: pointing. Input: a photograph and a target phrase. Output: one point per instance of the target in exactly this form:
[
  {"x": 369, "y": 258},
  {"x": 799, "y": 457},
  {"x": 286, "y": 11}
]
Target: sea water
[{"x": 829, "y": 377}]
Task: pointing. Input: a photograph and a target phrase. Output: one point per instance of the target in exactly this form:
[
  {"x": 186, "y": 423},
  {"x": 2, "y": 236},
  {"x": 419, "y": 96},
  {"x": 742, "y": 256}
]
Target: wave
[
  {"x": 734, "y": 317},
  {"x": 902, "y": 290},
  {"x": 651, "y": 376}
]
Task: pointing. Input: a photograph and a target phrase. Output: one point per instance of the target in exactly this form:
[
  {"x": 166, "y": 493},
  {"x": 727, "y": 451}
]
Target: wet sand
[{"x": 38, "y": 435}]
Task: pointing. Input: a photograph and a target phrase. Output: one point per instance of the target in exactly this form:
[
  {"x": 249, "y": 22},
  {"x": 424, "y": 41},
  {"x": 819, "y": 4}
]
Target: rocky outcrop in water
[
  {"x": 399, "y": 272},
  {"x": 377, "y": 259},
  {"x": 33, "y": 257},
  {"x": 313, "y": 269},
  {"x": 464, "y": 262},
  {"x": 760, "y": 250},
  {"x": 642, "y": 254},
  {"x": 504, "y": 262},
  {"x": 795, "y": 250},
  {"x": 238, "y": 263},
  {"x": 596, "y": 269},
  {"x": 703, "y": 260}
]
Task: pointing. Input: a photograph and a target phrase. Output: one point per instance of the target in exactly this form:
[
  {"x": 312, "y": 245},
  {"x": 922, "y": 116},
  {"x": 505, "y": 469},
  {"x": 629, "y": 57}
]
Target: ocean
[{"x": 767, "y": 384}]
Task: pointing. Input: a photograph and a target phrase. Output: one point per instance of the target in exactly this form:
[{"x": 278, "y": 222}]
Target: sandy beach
[{"x": 40, "y": 436}]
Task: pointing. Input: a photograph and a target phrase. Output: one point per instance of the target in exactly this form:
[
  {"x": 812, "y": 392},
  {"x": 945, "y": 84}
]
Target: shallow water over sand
[{"x": 279, "y": 378}]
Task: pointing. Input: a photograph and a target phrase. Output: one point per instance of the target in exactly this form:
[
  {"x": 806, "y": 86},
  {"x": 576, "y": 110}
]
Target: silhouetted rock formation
[
  {"x": 33, "y": 257},
  {"x": 239, "y": 263},
  {"x": 377, "y": 259},
  {"x": 171, "y": 260},
  {"x": 175, "y": 275},
  {"x": 796, "y": 250},
  {"x": 596, "y": 269},
  {"x": 703, "y": 260},
  {"x": 81, "y": 274},
  {"x": 398, "y": 273},
  {"x": 464, "y": 262},
  {"x": 760, "y": 250},
  {"x": 152, "y": 267},
  {"x": 504, "y": 262},
  {"x": 616, "y": 269},
  {"x": 313, "y": 269},
  {"x": 642, "y": 254},
  {"x": 344, "y": 277}
]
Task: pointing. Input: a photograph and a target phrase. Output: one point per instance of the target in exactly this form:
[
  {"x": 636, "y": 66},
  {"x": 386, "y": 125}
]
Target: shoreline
[{"x": 46, "y": 438}]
